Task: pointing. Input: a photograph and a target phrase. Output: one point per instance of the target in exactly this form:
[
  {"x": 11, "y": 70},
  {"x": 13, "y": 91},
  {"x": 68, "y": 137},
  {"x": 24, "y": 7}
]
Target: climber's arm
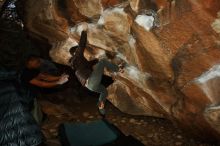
[
  {"x": 78, "y": 52},
  {"x": 82, "y": 43}
]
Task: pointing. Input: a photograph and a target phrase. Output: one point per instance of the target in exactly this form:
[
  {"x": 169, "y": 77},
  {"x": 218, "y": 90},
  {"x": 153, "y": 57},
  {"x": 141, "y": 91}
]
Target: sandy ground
[{"x": 150, "y": 131}]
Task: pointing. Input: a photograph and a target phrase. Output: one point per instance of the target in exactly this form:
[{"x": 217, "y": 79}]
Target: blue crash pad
[{"x": 89, "y": 134}]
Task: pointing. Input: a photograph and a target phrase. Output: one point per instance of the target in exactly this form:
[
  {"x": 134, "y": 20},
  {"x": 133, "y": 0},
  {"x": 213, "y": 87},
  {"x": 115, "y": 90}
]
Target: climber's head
[
  {"x": 73, "y": 50},
  {"x": 33, "y": 62}
]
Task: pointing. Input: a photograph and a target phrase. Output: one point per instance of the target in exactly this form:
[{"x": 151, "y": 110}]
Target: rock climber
[{"x": 89, "y": 73}]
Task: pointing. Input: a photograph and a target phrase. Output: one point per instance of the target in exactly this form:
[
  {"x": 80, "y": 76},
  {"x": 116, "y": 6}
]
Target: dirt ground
[{"x": 150, "y": 131}]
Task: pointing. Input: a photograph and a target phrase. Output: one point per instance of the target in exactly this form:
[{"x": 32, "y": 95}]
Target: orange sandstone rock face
[
  {"x": 212, "y": 6},
  {"x": 171, "y": 50},
  {"x": 44, "y": 18}
]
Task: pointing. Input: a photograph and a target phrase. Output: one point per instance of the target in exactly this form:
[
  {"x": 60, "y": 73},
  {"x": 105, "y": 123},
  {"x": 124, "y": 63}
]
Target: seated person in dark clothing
[
  {"x": 36, "y": 74},
  {"x": 40, "y": 73}
]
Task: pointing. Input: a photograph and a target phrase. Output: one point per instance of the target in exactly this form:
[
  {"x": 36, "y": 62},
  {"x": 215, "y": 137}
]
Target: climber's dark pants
[{"x": 94, "y": 81}]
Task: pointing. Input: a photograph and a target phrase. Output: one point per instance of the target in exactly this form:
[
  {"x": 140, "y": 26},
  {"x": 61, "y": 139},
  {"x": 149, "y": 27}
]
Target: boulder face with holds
[{"x": 171, "y": 50}]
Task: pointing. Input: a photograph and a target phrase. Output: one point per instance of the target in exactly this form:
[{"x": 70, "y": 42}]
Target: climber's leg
[
  {"x": 96, "y": 77},
  {"x": 94, "y": 81},
  {"x": 102, "y": 97}
]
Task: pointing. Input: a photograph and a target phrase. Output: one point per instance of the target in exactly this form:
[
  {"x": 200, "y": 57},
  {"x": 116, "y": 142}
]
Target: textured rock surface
[{"x": 171, "y": 49}]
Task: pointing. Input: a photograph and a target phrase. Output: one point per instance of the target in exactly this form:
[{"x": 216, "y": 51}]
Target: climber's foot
[{"x": 101, "y": 107}]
